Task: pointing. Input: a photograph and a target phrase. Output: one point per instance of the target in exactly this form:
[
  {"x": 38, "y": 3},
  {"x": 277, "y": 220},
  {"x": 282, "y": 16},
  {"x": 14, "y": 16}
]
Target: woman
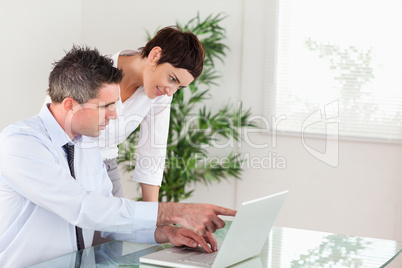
[{"x": 167, "y": 63}]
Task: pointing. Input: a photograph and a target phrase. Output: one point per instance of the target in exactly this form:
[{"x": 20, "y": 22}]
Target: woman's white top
[{"x": 152, "y": 115}]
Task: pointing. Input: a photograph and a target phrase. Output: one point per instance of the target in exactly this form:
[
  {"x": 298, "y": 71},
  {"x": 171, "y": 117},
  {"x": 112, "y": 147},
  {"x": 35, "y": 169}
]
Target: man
[{"x": 52, "y": 199}]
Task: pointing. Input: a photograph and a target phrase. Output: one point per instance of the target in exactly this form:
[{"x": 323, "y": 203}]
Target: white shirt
[
  {"x": 40, "y": 203},
  {"x": 153, "y": 116}
]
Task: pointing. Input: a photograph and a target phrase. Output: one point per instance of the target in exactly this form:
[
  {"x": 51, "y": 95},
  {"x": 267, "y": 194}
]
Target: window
[{"x": 339, "y": 62}]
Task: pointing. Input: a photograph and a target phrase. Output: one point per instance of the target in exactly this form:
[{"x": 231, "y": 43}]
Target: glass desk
[{"x": 285, "y": 247}]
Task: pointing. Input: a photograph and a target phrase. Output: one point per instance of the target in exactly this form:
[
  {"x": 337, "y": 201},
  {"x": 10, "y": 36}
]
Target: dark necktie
[{"x": 70, "y": 159}]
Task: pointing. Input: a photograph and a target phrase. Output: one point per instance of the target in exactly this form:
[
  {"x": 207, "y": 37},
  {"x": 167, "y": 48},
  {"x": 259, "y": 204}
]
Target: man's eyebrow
[{"x": 108, "y": 104}]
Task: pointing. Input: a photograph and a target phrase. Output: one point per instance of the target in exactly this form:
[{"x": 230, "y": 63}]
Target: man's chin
[{"x": 93, "y": 134}]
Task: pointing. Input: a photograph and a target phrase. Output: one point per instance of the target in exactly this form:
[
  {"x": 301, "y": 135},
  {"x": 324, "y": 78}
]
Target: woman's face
[{"x": 164, "y": 79}]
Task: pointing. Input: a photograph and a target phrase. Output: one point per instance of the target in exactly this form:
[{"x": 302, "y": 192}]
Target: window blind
[{"x": 338, "y": 62}]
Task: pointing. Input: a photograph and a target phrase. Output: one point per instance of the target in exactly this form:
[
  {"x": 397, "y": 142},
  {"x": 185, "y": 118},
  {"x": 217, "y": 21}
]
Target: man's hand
[
  {"x": 201, "y": 218},
  {"x": 180, "y": 236}
]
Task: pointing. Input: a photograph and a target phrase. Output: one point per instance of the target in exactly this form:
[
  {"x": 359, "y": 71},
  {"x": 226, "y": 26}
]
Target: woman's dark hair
[{"x": 181, "y": 49}]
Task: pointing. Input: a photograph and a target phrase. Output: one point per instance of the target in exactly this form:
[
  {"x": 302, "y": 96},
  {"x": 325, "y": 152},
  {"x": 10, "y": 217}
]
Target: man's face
[{"x": 91, "y": 118}]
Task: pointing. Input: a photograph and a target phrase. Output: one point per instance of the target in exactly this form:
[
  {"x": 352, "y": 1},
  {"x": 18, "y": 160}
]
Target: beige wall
[{"x": 360, "y": 196}]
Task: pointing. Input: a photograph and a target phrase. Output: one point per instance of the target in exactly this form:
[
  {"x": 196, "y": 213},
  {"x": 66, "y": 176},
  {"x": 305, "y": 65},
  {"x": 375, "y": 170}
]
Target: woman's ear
[{"x": 155, "y": 54}]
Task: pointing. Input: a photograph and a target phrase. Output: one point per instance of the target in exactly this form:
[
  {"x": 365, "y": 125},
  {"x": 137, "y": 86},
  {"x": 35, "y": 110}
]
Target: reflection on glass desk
[{"x": 285, "y": 247}]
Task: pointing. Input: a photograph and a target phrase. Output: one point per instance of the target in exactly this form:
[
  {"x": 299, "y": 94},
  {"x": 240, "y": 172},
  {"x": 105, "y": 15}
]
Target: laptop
[{"x": 245, "y": 238}]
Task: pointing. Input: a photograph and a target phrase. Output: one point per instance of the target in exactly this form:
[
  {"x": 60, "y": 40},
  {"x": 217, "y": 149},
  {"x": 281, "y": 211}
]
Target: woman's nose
[{"x": 170, "y": 91}]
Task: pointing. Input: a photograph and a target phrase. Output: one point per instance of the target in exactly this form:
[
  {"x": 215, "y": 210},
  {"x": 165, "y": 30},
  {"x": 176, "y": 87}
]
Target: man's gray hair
[{"x": 80, "y": 74}]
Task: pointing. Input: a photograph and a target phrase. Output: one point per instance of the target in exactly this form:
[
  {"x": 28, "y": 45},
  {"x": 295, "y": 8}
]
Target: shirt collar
[{"x": 56, "y": 133}]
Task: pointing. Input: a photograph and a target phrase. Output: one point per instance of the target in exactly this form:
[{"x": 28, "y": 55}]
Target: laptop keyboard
[{"x": 204, "y": 258}]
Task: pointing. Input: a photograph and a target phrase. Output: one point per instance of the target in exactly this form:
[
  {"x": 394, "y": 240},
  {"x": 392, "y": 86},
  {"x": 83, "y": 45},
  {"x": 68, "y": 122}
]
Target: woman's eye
[{"x": 172, "y": 79}]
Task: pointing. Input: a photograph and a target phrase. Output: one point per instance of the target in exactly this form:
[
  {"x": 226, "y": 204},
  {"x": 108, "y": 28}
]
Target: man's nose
[{"x": 111, "y": 114}]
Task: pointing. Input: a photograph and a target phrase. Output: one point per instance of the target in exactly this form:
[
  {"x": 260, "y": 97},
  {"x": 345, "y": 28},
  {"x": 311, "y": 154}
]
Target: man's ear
[
  {"x": 68, "y": 104},
  {"x": 155, "y": 54}
]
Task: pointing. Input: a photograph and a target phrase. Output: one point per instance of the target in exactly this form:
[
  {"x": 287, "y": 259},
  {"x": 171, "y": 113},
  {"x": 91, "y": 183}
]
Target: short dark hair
[
  {"x": 80, "y": 74},
  {"x": 181, "y": 49}
]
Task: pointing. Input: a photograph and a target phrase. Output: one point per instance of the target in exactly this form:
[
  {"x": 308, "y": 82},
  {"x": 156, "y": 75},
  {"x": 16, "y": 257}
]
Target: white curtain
[{"x": 338, "y": 68}]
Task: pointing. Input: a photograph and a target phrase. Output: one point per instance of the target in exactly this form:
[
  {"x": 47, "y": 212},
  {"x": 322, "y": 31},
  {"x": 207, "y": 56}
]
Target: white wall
[
  {"x": 33, "y": 34},
  {"x": 360, "y": 196}
]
